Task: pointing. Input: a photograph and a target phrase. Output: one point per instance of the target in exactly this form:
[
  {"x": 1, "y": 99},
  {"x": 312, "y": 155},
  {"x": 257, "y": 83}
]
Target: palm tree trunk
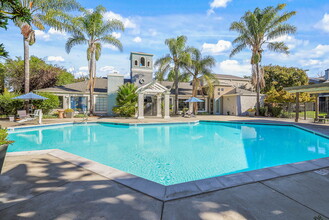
[
  {"x": 194, "y": 94},
  {"x": 91, "y": 83},
  {"x": 26, "y": 66},
  {"x": 176, "y": 89},
  {"x": 258, "y": 89}
]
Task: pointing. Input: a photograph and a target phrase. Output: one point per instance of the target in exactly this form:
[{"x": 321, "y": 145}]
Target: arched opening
[
  {"x": 148, "y": 63},
  {"x": 142, "y": 61},
  {"x": 136, "y": 63}
]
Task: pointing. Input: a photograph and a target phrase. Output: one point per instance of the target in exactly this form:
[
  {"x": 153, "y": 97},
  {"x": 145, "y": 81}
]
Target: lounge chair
[{"x": 26, "y": 117}]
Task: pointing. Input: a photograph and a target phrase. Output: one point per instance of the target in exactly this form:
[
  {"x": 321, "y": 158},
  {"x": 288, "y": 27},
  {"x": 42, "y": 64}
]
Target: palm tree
[
  {"x": 258, "y": 29},
  {"x": 92, "y": 30},
  {"x": 44, "y": 13},
  {"x": 174, "y": 60},
  {"x": 126, "y": 100},
  {"x": 200, "y": 69}
]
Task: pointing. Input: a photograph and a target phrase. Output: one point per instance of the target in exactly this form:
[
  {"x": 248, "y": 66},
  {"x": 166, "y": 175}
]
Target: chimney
[{"x": 326, "y": 75}]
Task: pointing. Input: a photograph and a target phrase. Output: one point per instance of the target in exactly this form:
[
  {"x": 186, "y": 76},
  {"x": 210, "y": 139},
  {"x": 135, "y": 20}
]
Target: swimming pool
[{"x": 175, "y": 153}]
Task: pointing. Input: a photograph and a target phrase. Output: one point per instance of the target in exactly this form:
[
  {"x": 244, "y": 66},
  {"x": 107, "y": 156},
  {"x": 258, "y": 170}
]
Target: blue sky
[{"x": 205, "y": 23}]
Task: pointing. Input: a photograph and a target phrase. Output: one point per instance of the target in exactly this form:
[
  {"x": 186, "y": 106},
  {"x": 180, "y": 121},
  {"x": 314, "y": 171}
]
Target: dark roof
[
  {"x": 79, "y": 87},
  {"x": 238, "y": 91},
  {"x": 225, "y": 76},
  {"x": 317, "y": 80},
  {"x": 183, "y": 87}
]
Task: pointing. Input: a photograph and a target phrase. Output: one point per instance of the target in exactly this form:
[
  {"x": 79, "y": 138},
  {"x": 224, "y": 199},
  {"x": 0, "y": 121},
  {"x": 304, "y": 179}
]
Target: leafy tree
[
  {"x": 174, "y": 61},
  {"x": 278, "y": 77},
  {"x": 43, "y": 75},
  {"x": 126, "y": 100},
  {"x": 9, "y": 106},
  {"x": 200, "y": 69},
  {"x": 261, "y": 28},
  {"x": 50, "y": 13},
  {"x": 93, "y": 30},
  {"x": 46, "y": 105}
]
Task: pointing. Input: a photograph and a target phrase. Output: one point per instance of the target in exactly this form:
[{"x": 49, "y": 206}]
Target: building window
[
  {"x": 142, "y": 61},
  {"x": 148, "y": 63},
  {"x": 201, "y": 106},
  {"x": 61, "y": 101},
  {"x": 136, "y": 63},
  {"x": 79, "y": 103},
  {"x": 182, "y": 104},
  {"x": 101, "y": 104},
  {"x": 218, "y": 93},
  {"x": 218, "y": 89},
  {"x": 222, "y": 89}
]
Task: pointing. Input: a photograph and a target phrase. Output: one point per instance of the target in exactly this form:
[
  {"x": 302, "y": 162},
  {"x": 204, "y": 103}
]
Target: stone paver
[
  {"x": 310, "y": 189},
  {"x": 251, "y": 201}
]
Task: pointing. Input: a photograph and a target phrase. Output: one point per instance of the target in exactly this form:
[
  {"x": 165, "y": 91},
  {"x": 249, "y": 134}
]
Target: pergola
[
  {"x": 158, "y": 90},
  {"x": 315, "y": 89}
]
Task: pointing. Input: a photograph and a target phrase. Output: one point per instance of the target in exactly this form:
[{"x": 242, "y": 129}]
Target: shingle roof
[
  {"x": 183, "y": 87},
  {"x": 225, "y": 76},
  {"x": 79, "y": 87}
]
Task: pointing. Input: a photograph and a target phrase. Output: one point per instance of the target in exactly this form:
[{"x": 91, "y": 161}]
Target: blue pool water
[{"x": 170, "y": 154}]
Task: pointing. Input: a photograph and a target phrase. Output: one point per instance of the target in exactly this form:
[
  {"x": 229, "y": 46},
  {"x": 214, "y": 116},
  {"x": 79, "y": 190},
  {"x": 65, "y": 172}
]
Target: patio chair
[
  {"x": 22, "y": 114},
  {"x": 322, "y": 119},
  {"x": 32, "y": 117}
]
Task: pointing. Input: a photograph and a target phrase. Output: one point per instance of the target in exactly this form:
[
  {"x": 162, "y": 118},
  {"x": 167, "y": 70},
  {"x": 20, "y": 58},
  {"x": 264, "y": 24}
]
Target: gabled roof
[
  {"x": 79, "y": 87},
  {"x": 225, "y": 76},
  {"x": 152, "y": 88},
  {"x": 184, "y": 88}
]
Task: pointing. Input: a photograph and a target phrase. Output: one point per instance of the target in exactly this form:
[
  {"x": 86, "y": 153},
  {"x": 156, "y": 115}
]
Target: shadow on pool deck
[{"x": 46, "y": 187}]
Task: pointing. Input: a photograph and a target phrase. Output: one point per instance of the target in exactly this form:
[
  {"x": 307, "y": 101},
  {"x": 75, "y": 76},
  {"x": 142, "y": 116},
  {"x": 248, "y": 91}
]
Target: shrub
[
  {"x": 47, "y": 105},
  {"x": 68, "y": 110},
  {"x": 3, "y": 137},
  {"x": 9, "y": 106},
  {"x": 276, "y": 111},
  {"x": 126, "y": 100},
  {"x": 263, "y": 111}
]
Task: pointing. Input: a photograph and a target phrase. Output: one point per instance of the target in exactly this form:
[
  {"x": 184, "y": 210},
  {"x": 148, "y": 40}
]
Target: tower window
[
  {"x": 136, "y": 63},
  {"x": 142, "y": 61},
  {"x": 148, "y": 63}
]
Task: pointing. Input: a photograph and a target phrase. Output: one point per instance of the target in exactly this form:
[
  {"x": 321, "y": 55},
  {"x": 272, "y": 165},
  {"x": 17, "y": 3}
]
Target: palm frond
[
  {"x": 109, "y": 39},
  {"x": 279, "y": 47},
  {"x": 73, "y": 41}
]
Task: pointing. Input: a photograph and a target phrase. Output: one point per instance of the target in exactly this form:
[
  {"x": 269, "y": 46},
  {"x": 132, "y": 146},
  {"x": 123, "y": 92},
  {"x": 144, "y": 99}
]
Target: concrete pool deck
[{"x": 42, "y": 185}]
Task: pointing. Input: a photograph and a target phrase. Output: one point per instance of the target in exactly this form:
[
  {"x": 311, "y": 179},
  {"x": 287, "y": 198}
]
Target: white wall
[
  {"x": 230, "y": 104},
  {"x": 245, "y": 102}
]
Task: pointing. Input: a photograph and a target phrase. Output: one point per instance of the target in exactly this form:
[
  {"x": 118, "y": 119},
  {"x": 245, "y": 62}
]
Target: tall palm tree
[
  {"x": 258, "y": 29},
  {"x": 174, "y": 60},
  {"x": 200, "y": 70},
  {"x": 92, "y": 30},
  {"x": 44, "y": 13}
]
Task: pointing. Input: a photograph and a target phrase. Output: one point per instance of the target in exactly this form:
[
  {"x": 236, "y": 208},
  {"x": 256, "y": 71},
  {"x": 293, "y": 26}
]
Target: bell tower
[{"x": 141, "y": 68}]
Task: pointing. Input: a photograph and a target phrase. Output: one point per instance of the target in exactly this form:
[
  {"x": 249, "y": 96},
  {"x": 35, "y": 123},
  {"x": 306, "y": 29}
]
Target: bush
[
  {"x": 47, "y": 105},
  {"x": 68, "y": 110},
  {"x": 126, "y": 100},
  {"x": 3, "y": 137},
  {"x": 263, "y": 111},
  {"x": 276, "y": 111},
  {"x": 9, "y": 106}
]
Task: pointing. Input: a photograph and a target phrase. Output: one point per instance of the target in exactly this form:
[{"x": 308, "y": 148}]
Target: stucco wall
[
  {"x": 230, "y": 104},
  {"x": 246, "y": 102},
  {"x": 114, "y": 81}
]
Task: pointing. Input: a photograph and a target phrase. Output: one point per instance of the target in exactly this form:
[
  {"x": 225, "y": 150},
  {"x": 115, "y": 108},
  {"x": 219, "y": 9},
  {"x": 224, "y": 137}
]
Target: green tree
[
  {"x": 42, "y": 75},
  {"x": 52, "y": 102},
  {"x": 93, "y": 30},
  {"x": 8, "y": 105},
  {"x": 13, "y": 10},
  {"x": 177, "y": 57},
  {"x": 126, "y": 100},
  {"x": 278, "y": 77},
  {"x": 200, "y": 69},
  {"x": 258, "y": 29},
  {"x": 50, "y": 13}
]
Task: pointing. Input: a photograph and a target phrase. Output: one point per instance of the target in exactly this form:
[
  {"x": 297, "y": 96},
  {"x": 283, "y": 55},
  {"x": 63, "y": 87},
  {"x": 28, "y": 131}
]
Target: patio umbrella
[
  {"x": 193, "y": 99},
  {"x": 30, "y": 96}
]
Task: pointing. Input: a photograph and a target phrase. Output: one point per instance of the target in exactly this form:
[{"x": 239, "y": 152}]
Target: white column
[
  {"x": 159, "y": 114},
  {"x": 140, "y": 106},
  {"x": 166, "y": 106}
]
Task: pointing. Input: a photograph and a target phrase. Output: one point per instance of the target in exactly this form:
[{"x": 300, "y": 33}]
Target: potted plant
[
  {"x": 251, "y": 112},
  {"x": 4, "y": 143},
  {"x": 69, "y": 113}
]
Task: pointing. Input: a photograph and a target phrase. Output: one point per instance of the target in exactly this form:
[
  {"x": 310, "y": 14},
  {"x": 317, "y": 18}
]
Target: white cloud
[
  {"x": 233, "y": 67},
  {"x": 291, "y": 41},
  {"x": 217, "y": 4},
  {"x": 83, "y": 68},
  {"x": 128, "y": 23},
  {"x": 116, "y": 35},
  {"x": 108, "y": 69},
  {"x": 137, "y": 39},
  {"x": 324, "y": 23},
  {"x": 71, "y": 69},
  {"x": 153, "y": 32},
  {"x": 53, "y": 31},
  {"x": 55, "y": 59},
  {"x": 42, "y": 35},
  {"x": 218, "y": 48},
  {"x": 110, "y": 46}
]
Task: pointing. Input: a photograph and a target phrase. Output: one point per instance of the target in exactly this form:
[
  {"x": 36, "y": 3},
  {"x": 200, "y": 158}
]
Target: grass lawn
[{"x": 309, "y": 114}]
